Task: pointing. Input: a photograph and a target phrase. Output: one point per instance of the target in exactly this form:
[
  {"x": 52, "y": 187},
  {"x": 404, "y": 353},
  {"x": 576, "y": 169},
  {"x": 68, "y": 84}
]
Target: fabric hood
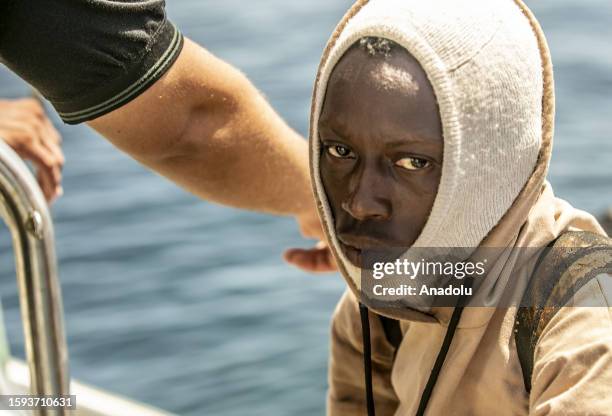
[{"x": 490, "y": 69}]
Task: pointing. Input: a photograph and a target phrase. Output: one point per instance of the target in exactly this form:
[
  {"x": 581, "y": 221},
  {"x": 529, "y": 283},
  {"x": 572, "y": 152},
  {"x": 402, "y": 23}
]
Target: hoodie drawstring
[
  {"x": 435, "y": 371},
  {"x": 367, "y": 358}
]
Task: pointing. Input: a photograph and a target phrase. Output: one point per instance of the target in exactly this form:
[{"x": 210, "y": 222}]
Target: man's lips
[
  {"x": 360, "y": 243},
  {"x": 352, "y": 253},
  {"x": 360, "y": 249},
  {"x": 353, "y": 247},
  {"x": 348, "y": 247}
]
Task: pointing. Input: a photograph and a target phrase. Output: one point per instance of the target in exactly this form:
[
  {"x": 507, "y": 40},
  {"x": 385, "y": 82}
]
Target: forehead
[
  {"x": 393, "y": 71},
  {"x": 384, "y": 94}
]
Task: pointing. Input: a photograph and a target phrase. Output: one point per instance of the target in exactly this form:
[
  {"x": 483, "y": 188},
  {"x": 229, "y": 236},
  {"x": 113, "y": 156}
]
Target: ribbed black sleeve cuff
[{"x": 162, "y": 53}]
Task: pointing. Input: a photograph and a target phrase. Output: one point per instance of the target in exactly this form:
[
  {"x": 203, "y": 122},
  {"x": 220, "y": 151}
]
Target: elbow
[
  {"x": 207, "y": 134},
  {"x": 206, "y": 129}
]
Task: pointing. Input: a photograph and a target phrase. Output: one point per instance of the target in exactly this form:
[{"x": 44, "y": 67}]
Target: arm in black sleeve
[{"x": 88, "y": 57}]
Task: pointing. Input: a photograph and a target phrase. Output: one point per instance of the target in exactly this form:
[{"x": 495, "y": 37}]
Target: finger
[
  {"x": 44, "y": 181},
  {"x": 48, "y": 185},
  {"x": 25, "y": 138},
  {"x": 41, "y": 131},
  {"x": 17, "y": 134},
  {"x": 315, "y": 260},
  {"x": 54, "y": 135},
  {"x": 51, "y": 140},
  {"x": 26, "y": 126},
  {"x": 46, "y": 159},
  {"x": 48, "y": 169},
  {"x": 32, "y": 106}
]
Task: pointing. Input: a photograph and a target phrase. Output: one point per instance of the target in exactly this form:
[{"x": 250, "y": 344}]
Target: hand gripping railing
[{"x": 23, "y": 208}]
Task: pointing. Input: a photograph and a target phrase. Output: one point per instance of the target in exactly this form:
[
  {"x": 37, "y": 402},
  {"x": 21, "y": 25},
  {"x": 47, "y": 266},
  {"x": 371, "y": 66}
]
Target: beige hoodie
[{"x": 481, "y": 374}]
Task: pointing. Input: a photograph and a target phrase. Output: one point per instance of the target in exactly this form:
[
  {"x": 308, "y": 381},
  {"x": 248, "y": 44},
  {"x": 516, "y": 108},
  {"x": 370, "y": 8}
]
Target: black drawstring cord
[
  {"x": 367, "y": 358},
  {"x": 435, "y": 371}
]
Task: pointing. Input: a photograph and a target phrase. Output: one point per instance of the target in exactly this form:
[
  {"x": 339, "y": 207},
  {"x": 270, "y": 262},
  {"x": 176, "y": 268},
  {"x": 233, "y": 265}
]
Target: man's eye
[
  {"x": 413, "y": 163},
  {"x": 339, "y": 151}
]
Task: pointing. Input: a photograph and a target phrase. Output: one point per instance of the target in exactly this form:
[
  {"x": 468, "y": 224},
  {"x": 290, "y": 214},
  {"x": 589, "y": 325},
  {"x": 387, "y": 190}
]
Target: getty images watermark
[
  {"x": 412, "y": 270},
  {"x": 421, "y": 278}
]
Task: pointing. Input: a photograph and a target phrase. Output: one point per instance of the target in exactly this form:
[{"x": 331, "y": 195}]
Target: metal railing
[{"x": 23, "y": 208}]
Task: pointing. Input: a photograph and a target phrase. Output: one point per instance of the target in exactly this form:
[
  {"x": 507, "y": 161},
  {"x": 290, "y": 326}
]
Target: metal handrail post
[{"x": 23, "y": 208}]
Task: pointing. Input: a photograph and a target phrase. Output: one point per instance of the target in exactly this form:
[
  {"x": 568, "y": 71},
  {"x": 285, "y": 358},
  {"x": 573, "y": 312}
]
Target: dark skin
[{"x": 381, "y": 154}]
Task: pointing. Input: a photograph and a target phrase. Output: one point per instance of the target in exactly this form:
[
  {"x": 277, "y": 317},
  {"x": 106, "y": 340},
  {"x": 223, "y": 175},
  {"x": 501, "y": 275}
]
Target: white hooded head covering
[{"x": 489, "y": 66}]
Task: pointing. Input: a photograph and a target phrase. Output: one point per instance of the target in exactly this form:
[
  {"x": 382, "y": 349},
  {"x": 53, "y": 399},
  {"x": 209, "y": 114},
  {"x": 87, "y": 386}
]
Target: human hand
[
  {"x": 314, "y": 260},
  {"x": 27, "y": 129},
  {"x": 318, "y": 259}
]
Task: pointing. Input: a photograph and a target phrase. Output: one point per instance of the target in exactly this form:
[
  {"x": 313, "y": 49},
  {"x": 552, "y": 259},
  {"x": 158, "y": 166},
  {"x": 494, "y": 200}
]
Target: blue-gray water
[{"x": 187, "y": 305}]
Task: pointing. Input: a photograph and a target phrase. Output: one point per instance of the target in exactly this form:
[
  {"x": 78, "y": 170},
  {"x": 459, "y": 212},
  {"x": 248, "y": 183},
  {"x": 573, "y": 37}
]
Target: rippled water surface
[{"x": 187, "y": 305}]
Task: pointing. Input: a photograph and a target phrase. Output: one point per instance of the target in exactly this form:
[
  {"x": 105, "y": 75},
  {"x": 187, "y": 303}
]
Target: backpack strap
[{"x": 564, "y": 266}]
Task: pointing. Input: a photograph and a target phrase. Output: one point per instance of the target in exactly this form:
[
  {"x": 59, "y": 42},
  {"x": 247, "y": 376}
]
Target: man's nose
[{"x": 367, "y": 199}]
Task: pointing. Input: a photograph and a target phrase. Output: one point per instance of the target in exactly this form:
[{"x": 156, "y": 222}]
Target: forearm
[
  {"x": 251, "y": 160},
  {"x": 205, "y": 127}
]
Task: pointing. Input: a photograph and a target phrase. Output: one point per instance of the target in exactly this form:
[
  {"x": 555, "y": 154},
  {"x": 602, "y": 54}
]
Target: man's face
[{"x": 381, "y": 150}]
